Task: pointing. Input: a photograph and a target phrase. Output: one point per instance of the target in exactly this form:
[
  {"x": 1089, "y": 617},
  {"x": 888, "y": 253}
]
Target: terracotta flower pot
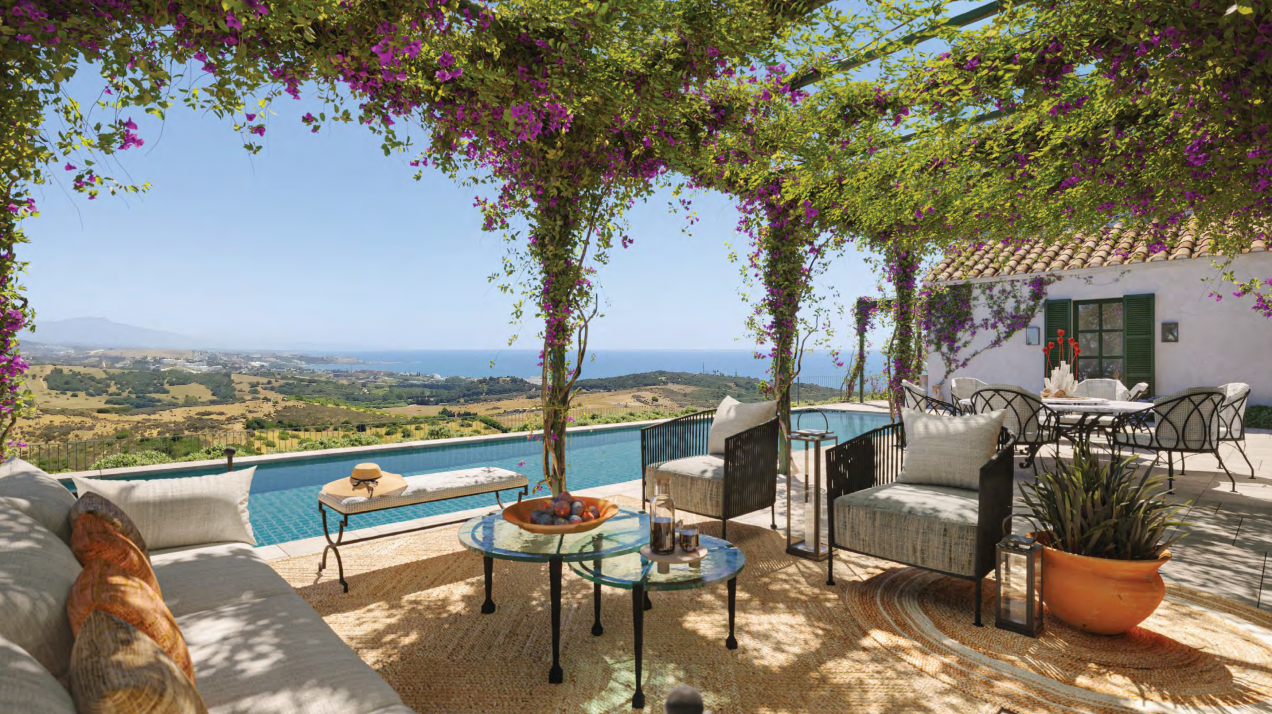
[{"x": 1099, "y": 595}]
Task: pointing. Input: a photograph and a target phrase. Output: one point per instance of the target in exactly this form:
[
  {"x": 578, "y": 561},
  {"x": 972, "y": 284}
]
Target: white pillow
[
  {"x": 173, "y": 512},
  {"x": 734, "y": 417},
  {"x": 948, "y": 450}
]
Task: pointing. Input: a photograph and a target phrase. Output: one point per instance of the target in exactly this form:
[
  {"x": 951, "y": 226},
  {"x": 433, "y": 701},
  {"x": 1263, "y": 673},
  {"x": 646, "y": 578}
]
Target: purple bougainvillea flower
[
  {"x": 251, "y": 117},
  {"x": 69, "y": 167},
  {"x": 231, "y": 21}
]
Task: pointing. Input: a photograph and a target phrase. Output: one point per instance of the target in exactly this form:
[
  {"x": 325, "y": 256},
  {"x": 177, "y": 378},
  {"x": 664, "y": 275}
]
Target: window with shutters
[{"x": 1101, "y": 333}]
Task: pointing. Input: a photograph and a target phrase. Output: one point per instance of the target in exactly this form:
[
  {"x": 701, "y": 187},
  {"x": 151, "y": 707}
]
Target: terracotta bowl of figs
[{"x": 560, "y": 515}]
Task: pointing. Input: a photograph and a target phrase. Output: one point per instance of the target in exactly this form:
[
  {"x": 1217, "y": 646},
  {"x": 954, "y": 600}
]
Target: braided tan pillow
[{"x": 117, "y": 669}]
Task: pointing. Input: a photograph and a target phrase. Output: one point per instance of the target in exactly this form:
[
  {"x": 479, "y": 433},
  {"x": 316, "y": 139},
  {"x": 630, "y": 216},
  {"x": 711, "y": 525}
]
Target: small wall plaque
[
  {"x": 1033, "y": 335},
  {"x": 1170, "y": 332}
]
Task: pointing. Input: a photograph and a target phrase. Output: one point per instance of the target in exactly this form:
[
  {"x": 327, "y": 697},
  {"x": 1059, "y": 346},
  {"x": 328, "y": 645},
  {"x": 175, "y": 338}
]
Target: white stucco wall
[{"x": 1219, "y": 342}]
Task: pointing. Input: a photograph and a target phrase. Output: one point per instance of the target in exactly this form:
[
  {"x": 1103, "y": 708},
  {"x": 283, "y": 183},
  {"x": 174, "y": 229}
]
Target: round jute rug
[
  {"x": 1197, "y": 653},
  {"x": 884, "y": 639}
]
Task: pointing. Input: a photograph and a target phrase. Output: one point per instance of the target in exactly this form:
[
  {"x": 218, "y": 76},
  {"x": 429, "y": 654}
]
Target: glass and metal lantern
[{"x": 1019, "y": 561}]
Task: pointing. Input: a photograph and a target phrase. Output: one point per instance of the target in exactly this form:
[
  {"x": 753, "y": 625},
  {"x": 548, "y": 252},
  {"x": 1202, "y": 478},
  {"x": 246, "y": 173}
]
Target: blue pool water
[{"x": 284, "y": 500}]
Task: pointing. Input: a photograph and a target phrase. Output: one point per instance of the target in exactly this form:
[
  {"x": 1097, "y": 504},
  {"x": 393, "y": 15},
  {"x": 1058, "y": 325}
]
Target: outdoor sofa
[{"x": 256, "y": 645}]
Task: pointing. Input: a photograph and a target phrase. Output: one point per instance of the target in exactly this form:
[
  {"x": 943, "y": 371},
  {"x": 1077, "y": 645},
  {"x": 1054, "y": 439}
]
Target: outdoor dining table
[{"x": 1088, "y": 411}]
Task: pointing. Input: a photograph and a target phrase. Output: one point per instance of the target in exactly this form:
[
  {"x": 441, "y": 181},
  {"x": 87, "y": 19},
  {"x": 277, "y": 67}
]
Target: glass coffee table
[
  {"x": 636, "y": 573},
  {"x": 496, "y": 538}
]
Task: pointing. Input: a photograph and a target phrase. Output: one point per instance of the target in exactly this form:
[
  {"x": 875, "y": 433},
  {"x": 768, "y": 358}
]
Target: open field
[
  {"x": 664, "y": 397},
  {"x": 94, "y": 403}
]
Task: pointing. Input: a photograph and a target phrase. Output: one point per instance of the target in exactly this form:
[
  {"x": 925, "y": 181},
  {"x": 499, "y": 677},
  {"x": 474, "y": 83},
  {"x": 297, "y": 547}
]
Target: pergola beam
[{"x": 962, "y": 20}]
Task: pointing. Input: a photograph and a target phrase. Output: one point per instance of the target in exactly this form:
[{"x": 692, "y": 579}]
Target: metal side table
[{"x": 634, "y": 572}]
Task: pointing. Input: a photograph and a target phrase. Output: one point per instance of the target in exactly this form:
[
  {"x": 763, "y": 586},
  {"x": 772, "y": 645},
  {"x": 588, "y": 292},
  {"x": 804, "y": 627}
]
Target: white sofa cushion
[
  {"x": 208, "y": 577},
  {"x": 27, "y": 687},
  {"x": 37, "y": 494},
  {"x": 174, "y": 512},
  {"x": 37, "y": 571},
  {"x": 277, "y": 656},
  {"x": 948, "y": 450},
  {"x": 733, "y": 417}
]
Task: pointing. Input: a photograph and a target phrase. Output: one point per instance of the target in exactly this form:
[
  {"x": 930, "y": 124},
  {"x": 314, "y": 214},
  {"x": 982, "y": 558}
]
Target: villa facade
[{"x": 1139, "y": 316}]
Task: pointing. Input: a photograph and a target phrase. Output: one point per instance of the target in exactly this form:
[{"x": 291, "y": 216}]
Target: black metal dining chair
[
  {"x": 1184, "y": 423},
  {"x": 1033, "y": 423},
  {"x": 1232, "y": 418},
  {"x": 917, "y": 400}
]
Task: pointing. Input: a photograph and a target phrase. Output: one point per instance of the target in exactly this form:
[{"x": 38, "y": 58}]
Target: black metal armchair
[
  {"x": 948, "y": 530},
  {"x": 741, "y": 481},
  {"x": 1033, "y": 423},
  {"x": 1185, "y": 423},
  {"x": 914, "y": 398}
]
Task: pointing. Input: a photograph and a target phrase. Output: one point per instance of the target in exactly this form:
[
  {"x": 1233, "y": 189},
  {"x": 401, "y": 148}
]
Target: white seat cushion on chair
[
  {"x": 697, "y": 483},
  {"x": 928, "y": 526},
  {"x": 733, "y": 417},
  {"x": 948, "y": 450}
]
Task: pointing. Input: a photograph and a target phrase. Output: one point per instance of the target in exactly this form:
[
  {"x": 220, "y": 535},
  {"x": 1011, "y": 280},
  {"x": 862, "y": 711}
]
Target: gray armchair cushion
[
  {"x": 697, "y": 483},
  {"x": 929, "y": 526},
  {"x": 948, "y": 450}
]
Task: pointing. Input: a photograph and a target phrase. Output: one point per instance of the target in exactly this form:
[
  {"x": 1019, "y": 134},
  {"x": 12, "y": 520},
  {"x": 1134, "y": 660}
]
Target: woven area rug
[{"x": 885, "y": 639}]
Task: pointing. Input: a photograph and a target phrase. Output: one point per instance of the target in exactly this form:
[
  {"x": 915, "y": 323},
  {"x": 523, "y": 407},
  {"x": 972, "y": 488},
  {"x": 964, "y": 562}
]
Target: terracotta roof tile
[{"x": 1115, "y": 245}]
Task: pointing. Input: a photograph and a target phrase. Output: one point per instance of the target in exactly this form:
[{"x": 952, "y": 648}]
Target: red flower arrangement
[{"x": 1072, "y": 355}]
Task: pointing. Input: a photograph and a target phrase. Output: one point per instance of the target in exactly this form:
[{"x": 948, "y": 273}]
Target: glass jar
[{"x": 662, "y": 518}]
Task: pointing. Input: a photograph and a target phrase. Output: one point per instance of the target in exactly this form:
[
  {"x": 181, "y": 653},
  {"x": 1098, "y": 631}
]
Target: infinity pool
[{"x": 284, "y": 500}]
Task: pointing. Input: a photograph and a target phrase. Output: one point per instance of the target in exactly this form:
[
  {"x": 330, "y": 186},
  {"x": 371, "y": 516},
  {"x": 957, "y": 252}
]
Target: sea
[{"x": 598, "y": 364}]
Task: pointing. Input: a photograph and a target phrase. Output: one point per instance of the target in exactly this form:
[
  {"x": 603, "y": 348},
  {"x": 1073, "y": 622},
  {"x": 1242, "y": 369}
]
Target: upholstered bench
[{"x": 425, "y": 488}]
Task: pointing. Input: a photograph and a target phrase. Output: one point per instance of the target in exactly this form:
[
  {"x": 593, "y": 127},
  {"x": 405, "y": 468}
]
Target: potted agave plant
[{"x": 1104, "y": 535}]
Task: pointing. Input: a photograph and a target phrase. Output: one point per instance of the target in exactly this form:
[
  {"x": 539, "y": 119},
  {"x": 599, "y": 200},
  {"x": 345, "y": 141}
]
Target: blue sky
[{"x": 322, "y": 241}]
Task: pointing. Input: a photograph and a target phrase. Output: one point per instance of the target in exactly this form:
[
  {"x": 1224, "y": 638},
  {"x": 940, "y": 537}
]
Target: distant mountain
[{"x": 100, "y": 332}]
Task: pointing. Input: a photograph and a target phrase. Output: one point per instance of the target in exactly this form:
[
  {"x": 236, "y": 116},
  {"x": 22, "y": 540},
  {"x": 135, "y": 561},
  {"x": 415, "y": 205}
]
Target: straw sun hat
[{"x": 366, "y": 481}]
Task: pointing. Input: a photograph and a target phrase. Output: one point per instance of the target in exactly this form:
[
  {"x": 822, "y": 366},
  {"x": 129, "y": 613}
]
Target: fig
[{"x": 562, "y": 508}]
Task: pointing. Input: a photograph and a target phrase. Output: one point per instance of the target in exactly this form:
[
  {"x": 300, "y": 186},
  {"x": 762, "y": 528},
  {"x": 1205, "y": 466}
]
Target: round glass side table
[
  {"x": 634, "y": 572},
  {"x": 496, "y": 538}
]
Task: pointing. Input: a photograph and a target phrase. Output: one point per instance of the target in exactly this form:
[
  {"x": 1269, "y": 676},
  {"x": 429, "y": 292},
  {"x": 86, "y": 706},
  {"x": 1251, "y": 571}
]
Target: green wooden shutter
[
  {"x": 1139, "y": 341},
  {"x": 1057, "y": 315}
]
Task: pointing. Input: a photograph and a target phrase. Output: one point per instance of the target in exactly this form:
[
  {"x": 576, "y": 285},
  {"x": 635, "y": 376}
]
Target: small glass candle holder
[{"x": 689, "y": 538}]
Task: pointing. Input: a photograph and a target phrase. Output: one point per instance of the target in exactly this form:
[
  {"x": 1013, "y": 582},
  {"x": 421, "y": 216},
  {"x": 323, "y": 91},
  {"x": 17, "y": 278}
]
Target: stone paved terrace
[{"x": 1225, "y": 552}]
